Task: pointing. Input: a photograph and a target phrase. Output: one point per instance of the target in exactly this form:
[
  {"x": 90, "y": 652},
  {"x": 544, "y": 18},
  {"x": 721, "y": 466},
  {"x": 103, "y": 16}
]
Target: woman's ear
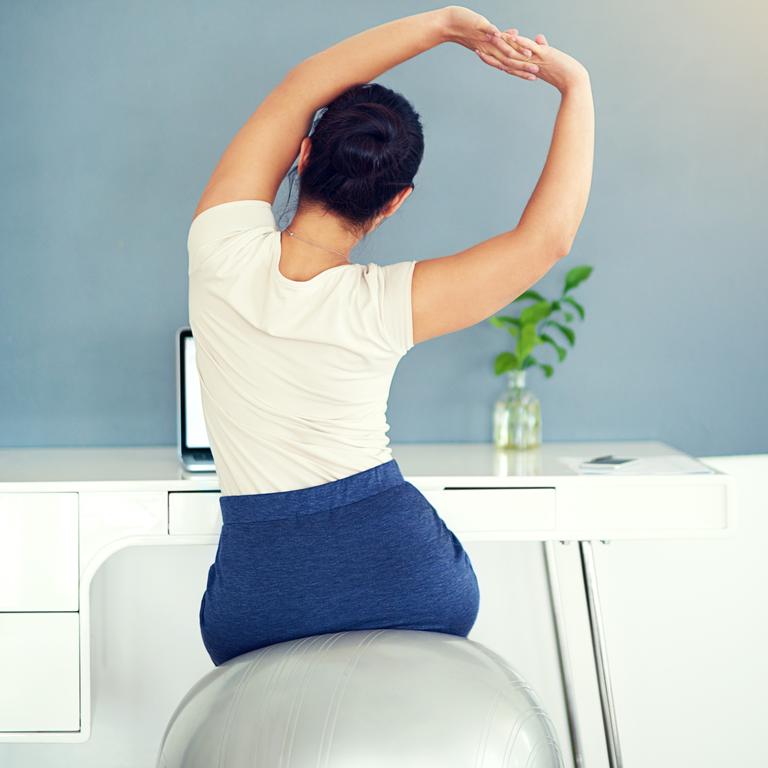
[
  {"x": 304, "y": 150},
  {"x": 398, "y": 200},
  {"x": 393, "y": 205}
]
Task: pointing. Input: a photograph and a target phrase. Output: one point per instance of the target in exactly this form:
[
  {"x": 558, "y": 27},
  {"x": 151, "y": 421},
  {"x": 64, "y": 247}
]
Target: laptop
[{"x": 192, "y": 444}]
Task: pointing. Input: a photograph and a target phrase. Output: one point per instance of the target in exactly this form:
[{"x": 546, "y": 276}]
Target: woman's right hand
[{"x": 554, "y": 66}]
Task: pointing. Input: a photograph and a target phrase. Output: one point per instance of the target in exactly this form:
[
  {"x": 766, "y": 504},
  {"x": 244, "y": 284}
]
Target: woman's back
[{"x": 294, "y": 375}]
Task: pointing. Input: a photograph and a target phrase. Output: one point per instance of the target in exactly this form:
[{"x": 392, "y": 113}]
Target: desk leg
[
  {"x": 601, "y": 655},
  {"x": 562, "y": 648}
]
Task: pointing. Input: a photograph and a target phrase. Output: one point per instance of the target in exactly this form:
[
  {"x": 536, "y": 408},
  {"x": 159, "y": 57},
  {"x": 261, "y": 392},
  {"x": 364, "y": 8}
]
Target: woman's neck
[{"x": 321, "y": 240}]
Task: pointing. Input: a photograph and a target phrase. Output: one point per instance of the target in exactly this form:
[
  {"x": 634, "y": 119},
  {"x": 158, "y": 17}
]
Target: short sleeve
[
  {"x": 395, "y": 304},
  {"x": 222, "y": 229}
]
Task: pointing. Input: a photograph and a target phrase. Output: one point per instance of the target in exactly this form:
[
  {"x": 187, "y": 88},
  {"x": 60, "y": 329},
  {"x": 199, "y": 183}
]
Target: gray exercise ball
[{"x": 375, "y": 698}]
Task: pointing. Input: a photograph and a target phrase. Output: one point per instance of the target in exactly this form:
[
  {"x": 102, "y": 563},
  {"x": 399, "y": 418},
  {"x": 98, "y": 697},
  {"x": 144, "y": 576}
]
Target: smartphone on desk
[{"x": 604, "y": 463}]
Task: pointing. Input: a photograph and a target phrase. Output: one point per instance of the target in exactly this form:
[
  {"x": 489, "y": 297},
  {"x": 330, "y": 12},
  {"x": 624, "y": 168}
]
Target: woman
[{"x": 297, "y": 346}]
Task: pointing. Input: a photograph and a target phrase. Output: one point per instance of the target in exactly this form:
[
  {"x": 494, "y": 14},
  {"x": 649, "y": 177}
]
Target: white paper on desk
[{"x": 663, "y": 464}]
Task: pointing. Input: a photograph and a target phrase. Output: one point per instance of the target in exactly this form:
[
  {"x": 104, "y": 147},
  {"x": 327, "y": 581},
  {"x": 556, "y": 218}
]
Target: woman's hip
[{"x": 383, "y": 558}]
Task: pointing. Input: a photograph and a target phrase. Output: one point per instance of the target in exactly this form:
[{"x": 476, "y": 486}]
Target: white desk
[{"x": 64, "y": 511}]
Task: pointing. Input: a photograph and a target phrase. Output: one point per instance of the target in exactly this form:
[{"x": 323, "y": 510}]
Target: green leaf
[
  {"x": 567, "y": 332},
  {"x": 510, "y": 324},
  {"x": 576, "y": 305},
  {"x": 561, "y": 351},
  {"x": 528, "y": 362},
  {"x": 576, "y": 276},
  {"x": 548, "y": 369},
  {"x": 536, "y": 312},
  {"x": 530, "y": 294},
  {"x": 505, "y": 361},
  {"x": 528, "y": 340},
  {"x": 502, "y": 321},
  {"x": 569, "y": 317}
]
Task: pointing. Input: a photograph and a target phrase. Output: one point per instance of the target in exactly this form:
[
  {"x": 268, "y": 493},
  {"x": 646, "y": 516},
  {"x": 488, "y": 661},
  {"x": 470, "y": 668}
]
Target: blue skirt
[{"x": 367, "y": 551}]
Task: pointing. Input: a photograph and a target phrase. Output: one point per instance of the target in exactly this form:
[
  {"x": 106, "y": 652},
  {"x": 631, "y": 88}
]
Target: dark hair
[{"x": 367, "y": 145}]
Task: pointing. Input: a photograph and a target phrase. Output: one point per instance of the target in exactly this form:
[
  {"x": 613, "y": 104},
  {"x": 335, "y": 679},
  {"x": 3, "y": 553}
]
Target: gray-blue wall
[{"x": 113, "y": 115}]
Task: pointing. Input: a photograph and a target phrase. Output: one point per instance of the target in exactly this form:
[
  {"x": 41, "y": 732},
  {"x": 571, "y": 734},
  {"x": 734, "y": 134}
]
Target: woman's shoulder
[{"x": 216, "y": 233}]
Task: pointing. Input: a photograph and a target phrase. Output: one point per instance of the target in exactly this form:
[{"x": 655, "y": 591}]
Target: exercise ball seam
[
  {"x": 480, "y": 759},
  {"x": 293, "y": 717},
  {"x": 232, "y": 708},
  {"x": 340, "y": 688}
]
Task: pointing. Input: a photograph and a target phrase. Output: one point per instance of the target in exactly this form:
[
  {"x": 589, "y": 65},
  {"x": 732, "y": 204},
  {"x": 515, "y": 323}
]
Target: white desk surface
[{"x": 431, "y": 464}]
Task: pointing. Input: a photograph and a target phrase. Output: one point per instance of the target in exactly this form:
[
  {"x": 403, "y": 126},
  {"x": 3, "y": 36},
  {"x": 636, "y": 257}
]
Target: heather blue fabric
[{"x": 367, "y": 551}]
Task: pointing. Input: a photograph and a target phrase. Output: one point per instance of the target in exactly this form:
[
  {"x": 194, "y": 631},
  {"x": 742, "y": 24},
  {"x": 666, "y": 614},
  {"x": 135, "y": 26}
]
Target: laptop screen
[
  {"x": 193, "y": 434},
  {"x": 197, "y": 437}
]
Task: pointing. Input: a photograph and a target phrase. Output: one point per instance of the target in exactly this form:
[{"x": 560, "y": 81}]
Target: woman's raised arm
[{"x": 261, "y": 153}]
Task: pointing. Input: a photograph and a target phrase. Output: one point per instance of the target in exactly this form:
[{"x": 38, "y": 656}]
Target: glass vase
[{"x": 517, "y": 415}]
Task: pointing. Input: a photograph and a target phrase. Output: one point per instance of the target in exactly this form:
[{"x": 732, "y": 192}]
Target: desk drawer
[
  {"x": 495, "y": 510},
  {"x": 192, "y": 513},
  {"x": 647, "y": 510},
  {"x": 40, "y": 672},
  {"x": 38, "y": 552}
]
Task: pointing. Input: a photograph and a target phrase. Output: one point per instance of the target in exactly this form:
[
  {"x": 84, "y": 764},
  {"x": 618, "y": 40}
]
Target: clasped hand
[{"x": 511, "y": 52}]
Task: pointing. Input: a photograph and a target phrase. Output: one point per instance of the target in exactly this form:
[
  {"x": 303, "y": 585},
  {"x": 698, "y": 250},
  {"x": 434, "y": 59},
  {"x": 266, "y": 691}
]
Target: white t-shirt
[{"x": 294, "y": 375}]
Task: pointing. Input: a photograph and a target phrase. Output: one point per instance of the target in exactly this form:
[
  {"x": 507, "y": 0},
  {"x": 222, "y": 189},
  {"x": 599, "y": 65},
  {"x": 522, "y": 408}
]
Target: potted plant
[{"x": 517, "y": 414}]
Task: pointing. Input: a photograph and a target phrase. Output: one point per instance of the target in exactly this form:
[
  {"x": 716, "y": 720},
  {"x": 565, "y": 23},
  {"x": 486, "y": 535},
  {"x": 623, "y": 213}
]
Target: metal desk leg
[
  {"x": 562, "y": 648},
  {"x": 601, "y": 655}
]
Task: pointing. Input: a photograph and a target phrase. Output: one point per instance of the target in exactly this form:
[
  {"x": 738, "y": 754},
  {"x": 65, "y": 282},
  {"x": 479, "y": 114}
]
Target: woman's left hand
[{"x": 472, "y": 30}]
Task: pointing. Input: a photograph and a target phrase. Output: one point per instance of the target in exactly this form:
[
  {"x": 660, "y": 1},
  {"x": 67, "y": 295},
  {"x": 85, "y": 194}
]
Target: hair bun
[{"x": 366, "y": 147}]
